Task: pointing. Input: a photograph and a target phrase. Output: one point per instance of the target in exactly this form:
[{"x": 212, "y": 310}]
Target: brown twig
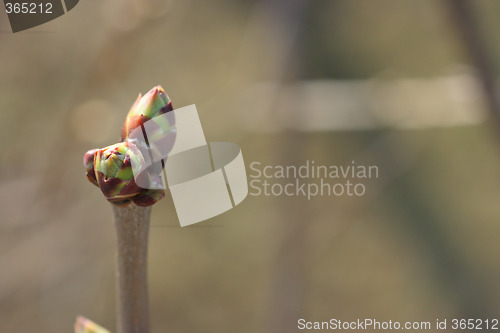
[{"x": 132, "y": 226}]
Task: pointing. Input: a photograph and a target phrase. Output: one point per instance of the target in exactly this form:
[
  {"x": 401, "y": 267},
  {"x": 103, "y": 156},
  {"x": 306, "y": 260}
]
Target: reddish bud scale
[{"x": 110, "y": 168}]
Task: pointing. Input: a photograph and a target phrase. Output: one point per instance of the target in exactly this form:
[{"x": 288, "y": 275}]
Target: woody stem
[{"x": 132, "y": 226}]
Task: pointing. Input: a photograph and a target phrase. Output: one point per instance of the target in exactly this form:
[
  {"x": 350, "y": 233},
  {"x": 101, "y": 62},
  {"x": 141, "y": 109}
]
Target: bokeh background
[{"x": 406, "y": 85}]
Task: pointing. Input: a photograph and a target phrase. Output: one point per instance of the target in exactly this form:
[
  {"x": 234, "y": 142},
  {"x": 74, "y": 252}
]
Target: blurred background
[{"x": 406, "y": 85}]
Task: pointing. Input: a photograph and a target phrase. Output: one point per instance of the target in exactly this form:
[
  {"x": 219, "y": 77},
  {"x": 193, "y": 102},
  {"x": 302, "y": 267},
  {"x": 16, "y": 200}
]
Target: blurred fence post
[
  {"x": 467, "y": 26},
  {"x": 288, "y": 273}
]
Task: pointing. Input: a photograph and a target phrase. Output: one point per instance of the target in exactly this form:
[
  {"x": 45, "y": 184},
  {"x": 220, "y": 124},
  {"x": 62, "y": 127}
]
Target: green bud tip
[{"x": 154, "y": 103}]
